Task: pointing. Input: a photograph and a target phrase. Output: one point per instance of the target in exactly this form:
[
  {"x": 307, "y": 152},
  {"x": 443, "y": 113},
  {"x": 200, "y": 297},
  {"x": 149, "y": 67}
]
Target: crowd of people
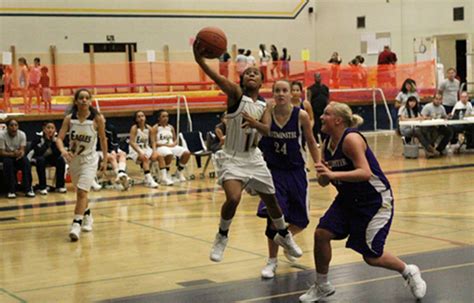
[
  {"x": 447, "y": 103},
  {"x": 33, "y": 84},
  {"x": 270, "y": 62}
]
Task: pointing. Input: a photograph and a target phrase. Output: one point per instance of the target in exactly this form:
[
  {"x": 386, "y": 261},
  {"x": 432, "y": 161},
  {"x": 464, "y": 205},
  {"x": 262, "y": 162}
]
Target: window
[
  {"x": 361, "y": 22},
  {"x": 458, "y": 14}
]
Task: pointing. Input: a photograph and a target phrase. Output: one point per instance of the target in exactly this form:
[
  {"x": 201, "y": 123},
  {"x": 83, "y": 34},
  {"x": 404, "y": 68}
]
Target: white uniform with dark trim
[
  {"x": 143, "y": 141},
  {"x": 165, "y": 136},
  {"x": 82, "y": 143},
  {"x": 240, "y": 158}
]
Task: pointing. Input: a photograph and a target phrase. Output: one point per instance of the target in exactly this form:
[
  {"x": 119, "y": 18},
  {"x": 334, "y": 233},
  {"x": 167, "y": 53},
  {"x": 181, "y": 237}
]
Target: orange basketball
[{"x": 213, "y": 40}]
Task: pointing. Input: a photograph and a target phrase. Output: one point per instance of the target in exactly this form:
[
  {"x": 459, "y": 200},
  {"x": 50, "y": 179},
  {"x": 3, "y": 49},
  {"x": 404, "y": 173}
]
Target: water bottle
[{"x": 461, "y": 115}]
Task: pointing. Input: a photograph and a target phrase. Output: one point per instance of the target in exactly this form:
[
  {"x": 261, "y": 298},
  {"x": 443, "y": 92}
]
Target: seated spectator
[
  {"x": 140, "y": 149},
  {"x": 463, "y": 108},
  {"x": 12, "y": 151},
  {"x": 408, "y": 89},
  {"x": 220, "y": 131},
  {"x": 45, "y": 152},
  {"x": 443, "y": 134},
  {"x": 411, "y": 111},
  {"x": 116, "y": 157},
  {"x": 167, "y": 145}
]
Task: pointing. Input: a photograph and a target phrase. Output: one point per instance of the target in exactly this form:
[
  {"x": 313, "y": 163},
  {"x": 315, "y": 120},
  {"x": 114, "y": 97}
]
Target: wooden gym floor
[{"x": 153, "y": 245}]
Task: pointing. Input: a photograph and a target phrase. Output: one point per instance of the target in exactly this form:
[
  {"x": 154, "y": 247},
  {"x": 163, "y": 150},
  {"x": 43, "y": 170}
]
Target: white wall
[{"x": 332, "y": 27}]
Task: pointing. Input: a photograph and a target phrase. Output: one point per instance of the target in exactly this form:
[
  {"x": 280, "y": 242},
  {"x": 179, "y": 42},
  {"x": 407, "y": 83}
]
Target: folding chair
[{"x": 194, "y": 142}]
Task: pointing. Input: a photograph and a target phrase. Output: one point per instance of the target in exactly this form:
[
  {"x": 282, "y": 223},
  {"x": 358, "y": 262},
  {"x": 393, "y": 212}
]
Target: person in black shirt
[
  {"x": 45, "y": 152},
  {"x": 318, "y": 96}
]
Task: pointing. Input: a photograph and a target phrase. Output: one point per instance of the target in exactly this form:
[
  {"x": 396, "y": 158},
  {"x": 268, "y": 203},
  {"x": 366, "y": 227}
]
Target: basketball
[{"x": 213, "y": 40}]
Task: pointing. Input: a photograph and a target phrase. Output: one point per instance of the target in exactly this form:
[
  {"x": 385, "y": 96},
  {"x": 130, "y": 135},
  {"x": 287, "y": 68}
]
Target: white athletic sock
[
  {"x": 321, "y": 278},
  {"x": 280, "y": 223},
  {"x": 406, "y": 271},
  {"x": 164, "y": 173},
  {"x": 225, "y": 224},
  {"x": 122, "y": 166}
]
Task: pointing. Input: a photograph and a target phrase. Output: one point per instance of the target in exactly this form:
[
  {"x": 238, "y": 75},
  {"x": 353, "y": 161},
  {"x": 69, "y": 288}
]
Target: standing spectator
[
  {"x": 318, "y": 96},
  {"x": 449, "y": 89},
  {"x": 224, "y": 64},
  {"x": 250, "y": 58},
  {"x": 45, "y": 89},
  {"x": 363, "y": 70},
  {"x": 34, "y": 84},
  {"x": 434, "y": 110},
  {"x": 23, "y": 81},
  {"x": 408, "y": 89},
  {"x": 7, "y": 87},
  {"x": 385, "y": 69},
  {"x": 285, "y": 63},
  {"x": 220, "y": 131},
  {"x": 241, "y": 61},
  {"x": 335, "y": 62},
  {"x": 264, "y": 57},
  {"x": 275, "y": 70},
  {"x": 12, "y": 151},
  {"x": 45, "y": 152}
]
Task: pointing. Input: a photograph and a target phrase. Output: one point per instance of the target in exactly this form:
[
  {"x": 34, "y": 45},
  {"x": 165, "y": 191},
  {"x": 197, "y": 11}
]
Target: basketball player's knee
[
  {"x": 321, "y": 236},
  {"x": 372, "y": 261},
  {"x": 234, "y": 199}
]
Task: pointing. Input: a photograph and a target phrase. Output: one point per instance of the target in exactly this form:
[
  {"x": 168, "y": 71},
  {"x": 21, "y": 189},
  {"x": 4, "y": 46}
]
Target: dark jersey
[
  {"x": 337, "y": 161},
  {"x": 282, "y": 149}
]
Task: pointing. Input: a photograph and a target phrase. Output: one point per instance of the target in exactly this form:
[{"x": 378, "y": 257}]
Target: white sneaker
[
  {"x": 180, "y": 176},
  {"x": 43, "y": 192},
  {"x": 87, "y": 223},
  {"x": 217, "y": 251},
  {"x": 416, "y": 283},
  {"x": 268, "y": 272},
  {"x": 166, "y": 181},
  {"x": 11, "y": 195},
  {"x": 289, "y": 257},
  {"x": 96, "y": 186},
  {"x": 75, "y": 232},
  {"x": 151, "y": 183},
  {"x": 318, "y": 292},
  {"x": 123, "y": 179},
  {"x": 61, "y": 190},
  {"x": 30, "y": 194},
  {"x": 288, "y": 244}
]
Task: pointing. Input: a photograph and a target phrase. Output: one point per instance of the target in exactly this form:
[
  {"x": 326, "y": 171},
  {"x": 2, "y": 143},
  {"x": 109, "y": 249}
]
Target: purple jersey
[
  {"x": 337, "y": 161},
  {"x": 282, "y": 149}
]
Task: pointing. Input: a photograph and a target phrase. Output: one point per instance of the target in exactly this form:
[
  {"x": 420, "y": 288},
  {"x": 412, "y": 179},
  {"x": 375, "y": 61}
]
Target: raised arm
[{"x": 231, "y": 89}]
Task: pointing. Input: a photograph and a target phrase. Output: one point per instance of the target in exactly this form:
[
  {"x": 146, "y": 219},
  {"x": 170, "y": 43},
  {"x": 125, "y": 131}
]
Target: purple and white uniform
[
  {"x": 362, "y": 210},
  {"x": 283, "y": 152}
]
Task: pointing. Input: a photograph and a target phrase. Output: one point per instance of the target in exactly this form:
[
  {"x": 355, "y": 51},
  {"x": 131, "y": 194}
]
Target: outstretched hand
[{"x": 198, "y": 51}]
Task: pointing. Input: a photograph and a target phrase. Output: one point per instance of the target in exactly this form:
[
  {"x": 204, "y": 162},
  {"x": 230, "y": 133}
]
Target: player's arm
[
  {"x": 60, "y": 139},
  {"x": 175, "y": 139},
  {"x": 153, "y": 137},
  {"x": 308, "y": 135},
  {"x": 100, "y": 122},
  {"x": 133, "y": 140},
  {"x": 231, "y": 89},
  {"x": 263, "y": 126},
  {"x": 309, "y": 109},
  {"x": 354, "y": 148}
]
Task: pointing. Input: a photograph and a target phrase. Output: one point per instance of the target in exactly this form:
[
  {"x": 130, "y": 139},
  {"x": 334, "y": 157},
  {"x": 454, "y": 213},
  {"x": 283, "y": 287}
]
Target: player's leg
[{"x": 233, "y": 192}]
